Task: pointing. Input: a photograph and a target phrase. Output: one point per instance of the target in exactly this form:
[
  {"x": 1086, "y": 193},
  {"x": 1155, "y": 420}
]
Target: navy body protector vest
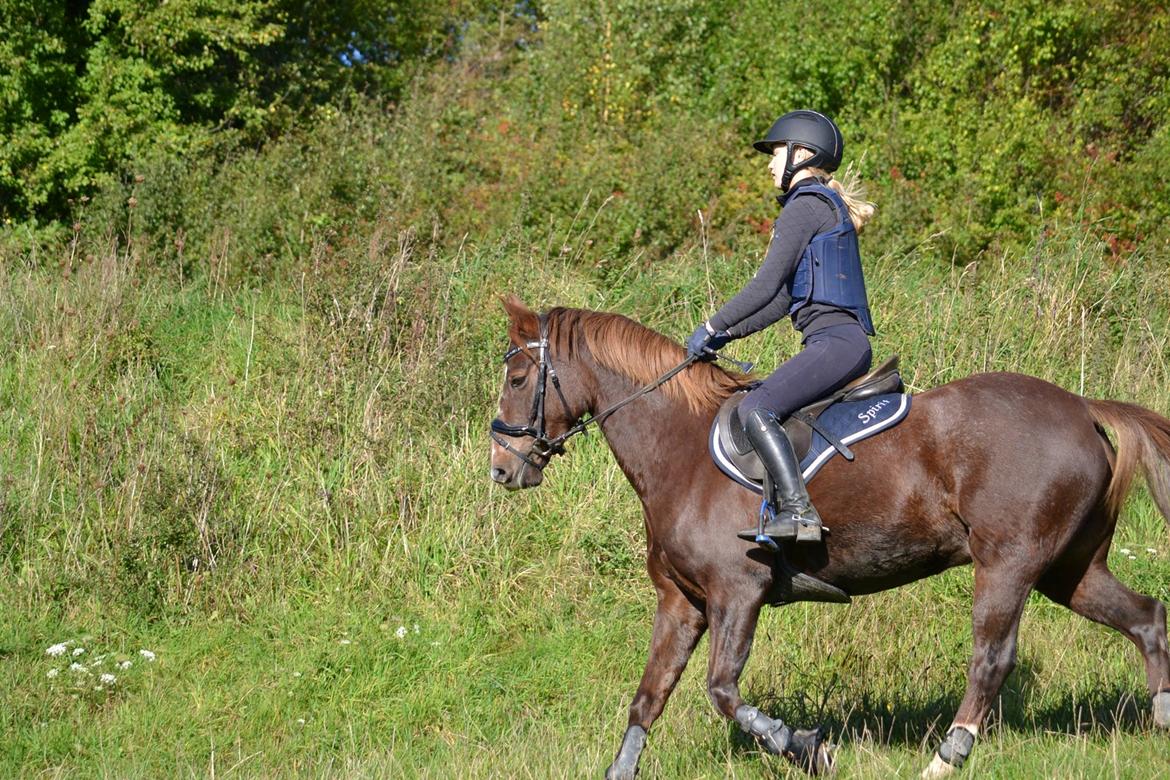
[{"x": 829, "y": 271}]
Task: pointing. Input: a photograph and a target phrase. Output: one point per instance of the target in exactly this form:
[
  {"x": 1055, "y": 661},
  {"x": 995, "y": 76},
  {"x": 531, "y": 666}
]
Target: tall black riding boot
[{"x": 794, "y": 516}]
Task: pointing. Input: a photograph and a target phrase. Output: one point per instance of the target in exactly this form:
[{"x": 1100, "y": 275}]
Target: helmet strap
[{"x": 790, "y": 169}]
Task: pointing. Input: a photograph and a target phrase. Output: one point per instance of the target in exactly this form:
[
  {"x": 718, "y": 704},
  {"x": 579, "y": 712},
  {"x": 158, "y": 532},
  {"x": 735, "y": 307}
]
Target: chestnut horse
[{"x": 1004, "y": 471}]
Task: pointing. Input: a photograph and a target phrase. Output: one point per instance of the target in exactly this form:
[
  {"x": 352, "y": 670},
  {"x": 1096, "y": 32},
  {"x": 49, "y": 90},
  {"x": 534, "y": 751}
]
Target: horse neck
[{"x": 655, "y": 440}]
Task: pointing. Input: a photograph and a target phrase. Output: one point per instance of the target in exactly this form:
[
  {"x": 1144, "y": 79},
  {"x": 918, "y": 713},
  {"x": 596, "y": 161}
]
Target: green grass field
[{"x": 282, "y": 493}]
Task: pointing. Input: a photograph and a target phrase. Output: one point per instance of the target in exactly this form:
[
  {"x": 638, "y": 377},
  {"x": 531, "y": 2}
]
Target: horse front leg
[
  {"x": 733, "y": 626},
  {"x": 678, "y": 625}
]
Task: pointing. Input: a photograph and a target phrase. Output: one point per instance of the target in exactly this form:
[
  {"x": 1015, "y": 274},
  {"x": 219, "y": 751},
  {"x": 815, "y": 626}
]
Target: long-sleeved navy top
[{"x": 765, "y": 300}]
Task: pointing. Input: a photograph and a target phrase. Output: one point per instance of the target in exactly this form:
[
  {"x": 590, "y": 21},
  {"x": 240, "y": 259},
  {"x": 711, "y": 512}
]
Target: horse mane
[{"x": 641, "y": 354}]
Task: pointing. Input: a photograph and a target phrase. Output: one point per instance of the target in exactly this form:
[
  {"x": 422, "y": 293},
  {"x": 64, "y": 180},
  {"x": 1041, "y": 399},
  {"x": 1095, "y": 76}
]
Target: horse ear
[{"x": 525, "y": 324}]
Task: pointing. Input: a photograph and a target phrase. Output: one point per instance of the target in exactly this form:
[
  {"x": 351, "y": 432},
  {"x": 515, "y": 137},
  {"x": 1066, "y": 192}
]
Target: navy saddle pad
[{"x": 848, "y": 421}]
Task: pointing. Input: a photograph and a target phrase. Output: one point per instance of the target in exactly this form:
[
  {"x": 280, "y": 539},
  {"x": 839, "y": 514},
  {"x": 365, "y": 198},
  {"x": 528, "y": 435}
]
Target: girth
[{"x": 801, "y": 424}]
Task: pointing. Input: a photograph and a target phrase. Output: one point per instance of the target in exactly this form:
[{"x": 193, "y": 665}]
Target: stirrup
[
  {"x": 786, "y": 528},
  {"x": 766, "y": 517},
  {"x": 770, "y": 528}
]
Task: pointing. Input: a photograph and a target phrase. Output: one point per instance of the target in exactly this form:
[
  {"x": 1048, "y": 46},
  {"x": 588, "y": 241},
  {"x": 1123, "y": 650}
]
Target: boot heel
[{"x": 809, "y": 533}]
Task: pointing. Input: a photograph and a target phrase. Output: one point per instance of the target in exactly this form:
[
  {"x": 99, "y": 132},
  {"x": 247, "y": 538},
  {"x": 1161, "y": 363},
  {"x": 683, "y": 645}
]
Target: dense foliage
[
  {"x": 976, "y": 122},
  {"x": 89, "y": 86}
]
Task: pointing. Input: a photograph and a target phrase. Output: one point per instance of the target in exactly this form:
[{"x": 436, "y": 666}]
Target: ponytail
[{"x": 852, "y": 191}]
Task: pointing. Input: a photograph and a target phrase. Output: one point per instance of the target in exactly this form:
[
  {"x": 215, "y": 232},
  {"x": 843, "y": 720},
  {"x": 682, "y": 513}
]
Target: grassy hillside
[{"x": 244, "y": 401}]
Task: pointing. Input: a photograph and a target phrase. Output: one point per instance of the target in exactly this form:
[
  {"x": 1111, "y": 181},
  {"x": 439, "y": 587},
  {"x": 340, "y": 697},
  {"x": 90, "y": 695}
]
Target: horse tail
[{"x": 1143, "y": 441}]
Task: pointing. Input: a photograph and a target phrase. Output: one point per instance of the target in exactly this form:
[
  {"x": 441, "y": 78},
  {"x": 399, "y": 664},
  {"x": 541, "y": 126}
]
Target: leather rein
[{"x": 542, "y": 446}]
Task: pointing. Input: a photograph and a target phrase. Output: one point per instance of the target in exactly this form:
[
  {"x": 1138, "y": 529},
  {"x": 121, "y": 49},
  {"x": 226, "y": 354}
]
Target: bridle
[{"x": 542, "y": 446}]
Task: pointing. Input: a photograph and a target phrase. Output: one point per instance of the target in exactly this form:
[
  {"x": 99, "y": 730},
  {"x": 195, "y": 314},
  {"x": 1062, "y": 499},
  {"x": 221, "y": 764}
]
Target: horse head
[{"x": 531, "y": 421}]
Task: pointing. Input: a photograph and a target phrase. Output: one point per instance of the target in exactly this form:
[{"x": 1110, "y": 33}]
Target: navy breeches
[{"x": 831, "y": 358}]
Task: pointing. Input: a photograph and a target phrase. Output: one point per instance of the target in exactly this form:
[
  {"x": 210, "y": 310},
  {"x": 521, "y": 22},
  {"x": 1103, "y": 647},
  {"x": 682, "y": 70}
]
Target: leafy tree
[
  {"x": 41, "y": 54},
  {"x": 86, "y": 87}
]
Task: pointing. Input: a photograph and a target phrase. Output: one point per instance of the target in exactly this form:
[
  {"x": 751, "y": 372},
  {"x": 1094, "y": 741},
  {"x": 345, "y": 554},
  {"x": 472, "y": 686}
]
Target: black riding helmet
[{"x": 808, "y": 129}]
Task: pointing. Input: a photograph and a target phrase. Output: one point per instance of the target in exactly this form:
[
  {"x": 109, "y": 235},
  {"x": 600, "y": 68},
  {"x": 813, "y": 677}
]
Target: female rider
[{"x": 812, "y": 272}]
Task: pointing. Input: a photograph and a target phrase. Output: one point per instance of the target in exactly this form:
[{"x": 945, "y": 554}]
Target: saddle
[{"x": 728, "y": 440}]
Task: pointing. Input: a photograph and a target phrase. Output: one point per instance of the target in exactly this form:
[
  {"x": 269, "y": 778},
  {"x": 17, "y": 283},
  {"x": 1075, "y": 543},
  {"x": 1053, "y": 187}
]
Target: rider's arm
[
  {"x": 775, "y": 311},
  {"x": 764, "y": 299}
]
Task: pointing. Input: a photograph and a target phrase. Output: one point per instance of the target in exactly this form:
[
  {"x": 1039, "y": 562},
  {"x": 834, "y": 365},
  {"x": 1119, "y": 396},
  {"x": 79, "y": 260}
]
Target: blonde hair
[{"x": 852, "y": 191}]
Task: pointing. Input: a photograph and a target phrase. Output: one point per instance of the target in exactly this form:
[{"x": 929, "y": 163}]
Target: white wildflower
[
  {"x": 301, "y": 721},
  {"x": 52, "y": 673},
  {"x": 1151, "y": 551},
  {"x": 108, "y": 679},
  {"x": 57, "y": 650},
  {"x": 77, "y": 668},
  {"x": 149, "y": 656},
  {"x": 78, "y": 651},
  {"x": 400, "y": 632},
  {"x": 346, "y": 642},
  {"x": 97, "y": 687},
  {"x": 416, "y": 628},
  {"x": 125, "y": 664},
  {"x": 1124, "y": 551},
  {"x": 1133, "y": 557},
  {"x": 296, "y": 674}
]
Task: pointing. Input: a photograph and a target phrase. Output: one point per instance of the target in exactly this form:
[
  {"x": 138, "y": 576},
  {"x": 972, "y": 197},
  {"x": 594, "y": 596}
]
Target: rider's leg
[
  {"x": 794, "y": 515},
  {"x": 831, "y": 358}
]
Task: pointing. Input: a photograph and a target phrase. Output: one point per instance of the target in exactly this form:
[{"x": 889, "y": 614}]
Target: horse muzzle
[{"x": 515, "y": 473}]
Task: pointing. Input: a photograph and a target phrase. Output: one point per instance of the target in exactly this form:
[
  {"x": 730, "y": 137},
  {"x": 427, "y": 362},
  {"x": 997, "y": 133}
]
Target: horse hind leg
[
  {"x": 1093, "y": 592},
  {"x": 733, "y": 627},
  {"x": 1000, "y": 593},
  {"x": 678, "y": 625}
]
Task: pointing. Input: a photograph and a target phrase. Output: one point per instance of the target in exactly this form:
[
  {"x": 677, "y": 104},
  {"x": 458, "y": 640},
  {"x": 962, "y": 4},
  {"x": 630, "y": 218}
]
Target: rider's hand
[{"x": 705, "y": 341}]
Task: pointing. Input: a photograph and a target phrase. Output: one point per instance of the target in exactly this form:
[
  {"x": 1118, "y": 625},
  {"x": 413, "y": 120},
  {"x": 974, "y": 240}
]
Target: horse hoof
[
  {"x": 1162, "y": 709},
  {"x": 936, "y": 769},
  {"x": 809, "y": 751}
]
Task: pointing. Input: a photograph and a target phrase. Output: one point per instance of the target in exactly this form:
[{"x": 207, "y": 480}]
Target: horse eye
[{"x": 517, "y": 381}]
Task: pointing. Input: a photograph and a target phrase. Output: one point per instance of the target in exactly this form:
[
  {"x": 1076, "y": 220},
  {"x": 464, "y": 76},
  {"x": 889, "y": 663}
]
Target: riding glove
[{"x": 704, "y": 342}]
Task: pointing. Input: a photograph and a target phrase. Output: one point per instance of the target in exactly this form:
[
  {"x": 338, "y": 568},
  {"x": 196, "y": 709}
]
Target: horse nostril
[{"x": 499, "y": 475}]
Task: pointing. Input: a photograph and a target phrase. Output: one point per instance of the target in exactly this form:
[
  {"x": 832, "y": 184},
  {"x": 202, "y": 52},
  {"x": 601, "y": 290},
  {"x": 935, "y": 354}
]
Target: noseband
[{"x": 542, "y": 446}]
